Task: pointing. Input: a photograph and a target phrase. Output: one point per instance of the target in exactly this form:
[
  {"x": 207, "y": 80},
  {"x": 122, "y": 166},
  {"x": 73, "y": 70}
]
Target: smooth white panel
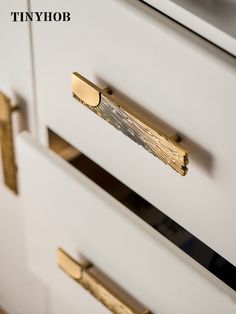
[
  {"x": 64, "y": 208},
  {"x": 213, "y": 19},
  {"x": 16, "y": 78},
  {"x": 185, "y": 84},
  {"x": 20, "y": 291},
  {"x": 58, "y": 305}
]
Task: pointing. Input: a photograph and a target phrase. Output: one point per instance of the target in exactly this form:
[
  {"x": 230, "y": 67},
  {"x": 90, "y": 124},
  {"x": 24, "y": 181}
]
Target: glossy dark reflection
[{"x": 192, "y": 246}]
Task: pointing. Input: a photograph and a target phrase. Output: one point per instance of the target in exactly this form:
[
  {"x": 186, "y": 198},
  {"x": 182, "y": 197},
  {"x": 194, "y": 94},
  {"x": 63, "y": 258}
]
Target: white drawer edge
[
  {"x": 195, "y": 23},
  {"x": 157, "y": 19},
  {"x": 181, "y": 264}
]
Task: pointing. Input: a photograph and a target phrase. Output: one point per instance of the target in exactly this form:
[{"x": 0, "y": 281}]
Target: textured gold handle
[
  {"x": 81, "y": 274},
  {"x": 112, "y": 110},
  {"x": 7, "y": 146}
]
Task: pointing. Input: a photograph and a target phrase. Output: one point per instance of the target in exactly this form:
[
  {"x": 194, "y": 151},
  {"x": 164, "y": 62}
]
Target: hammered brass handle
[
  {"x": 80, "y": 273},
  {"x": 7, "y": 145},
  {"x": 111, "y": 109}
]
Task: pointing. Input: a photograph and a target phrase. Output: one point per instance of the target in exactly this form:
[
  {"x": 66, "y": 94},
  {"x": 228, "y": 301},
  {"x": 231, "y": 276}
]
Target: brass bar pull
[
  {"x": 104, "y": 104},
  {"x": 7, "y": 145},
  {"x": 81, "y": 274}
]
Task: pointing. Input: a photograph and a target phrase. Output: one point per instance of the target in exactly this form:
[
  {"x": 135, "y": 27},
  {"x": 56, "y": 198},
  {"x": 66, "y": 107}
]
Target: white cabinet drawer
[
  {"x": 185, "y": 84},
  {"x": 63, "y": 208}
]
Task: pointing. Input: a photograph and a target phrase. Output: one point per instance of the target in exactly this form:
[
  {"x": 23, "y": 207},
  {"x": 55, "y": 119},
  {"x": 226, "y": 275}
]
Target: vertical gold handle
[
  {"x": 88, "y": 281},
  {"x": 6, "y": 141}
]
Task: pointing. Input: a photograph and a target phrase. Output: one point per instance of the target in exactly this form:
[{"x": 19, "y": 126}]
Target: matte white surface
[
  {"x": 183, "y": 82},
  {"x": 15, "y": 63},
  {"x": 58, "y": 305},
  {"x": 20, "y": 291},
  {"x": 64, "y": 208},
  {"x": 213, "y": 19}
]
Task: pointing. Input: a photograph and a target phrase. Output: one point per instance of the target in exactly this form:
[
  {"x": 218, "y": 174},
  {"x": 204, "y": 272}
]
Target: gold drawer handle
[
  {"x": 88, "y": 281},
  {"x": 112, "y": 110},
  {"x": 7, "y": 145}
]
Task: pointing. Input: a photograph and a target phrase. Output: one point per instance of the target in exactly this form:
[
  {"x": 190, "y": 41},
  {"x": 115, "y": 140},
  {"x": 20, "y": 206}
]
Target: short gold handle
[
  {"x": 81, "y": 274},
  {"x": 104, "y": 104},
  {"x": 7, "y": 145}
]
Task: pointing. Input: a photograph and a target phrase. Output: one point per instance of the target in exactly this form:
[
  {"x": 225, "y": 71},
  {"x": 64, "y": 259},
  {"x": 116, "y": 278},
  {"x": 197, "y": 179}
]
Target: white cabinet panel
[
  {"x": 15, "y": 62},
  {"x": 59, "y": 306},
  {"x": 212, "y": 19},
  {"x": 64, "y": 208},
  {"x": 20, "y": 291},
  {"x": 177, "y": 79}
]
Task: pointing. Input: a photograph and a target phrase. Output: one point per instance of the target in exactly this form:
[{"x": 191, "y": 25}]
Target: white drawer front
[
  {"x": 186, "y": 84},
  {"x": 202, "y": 17},
  {"x": 64, "y": 208}
]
